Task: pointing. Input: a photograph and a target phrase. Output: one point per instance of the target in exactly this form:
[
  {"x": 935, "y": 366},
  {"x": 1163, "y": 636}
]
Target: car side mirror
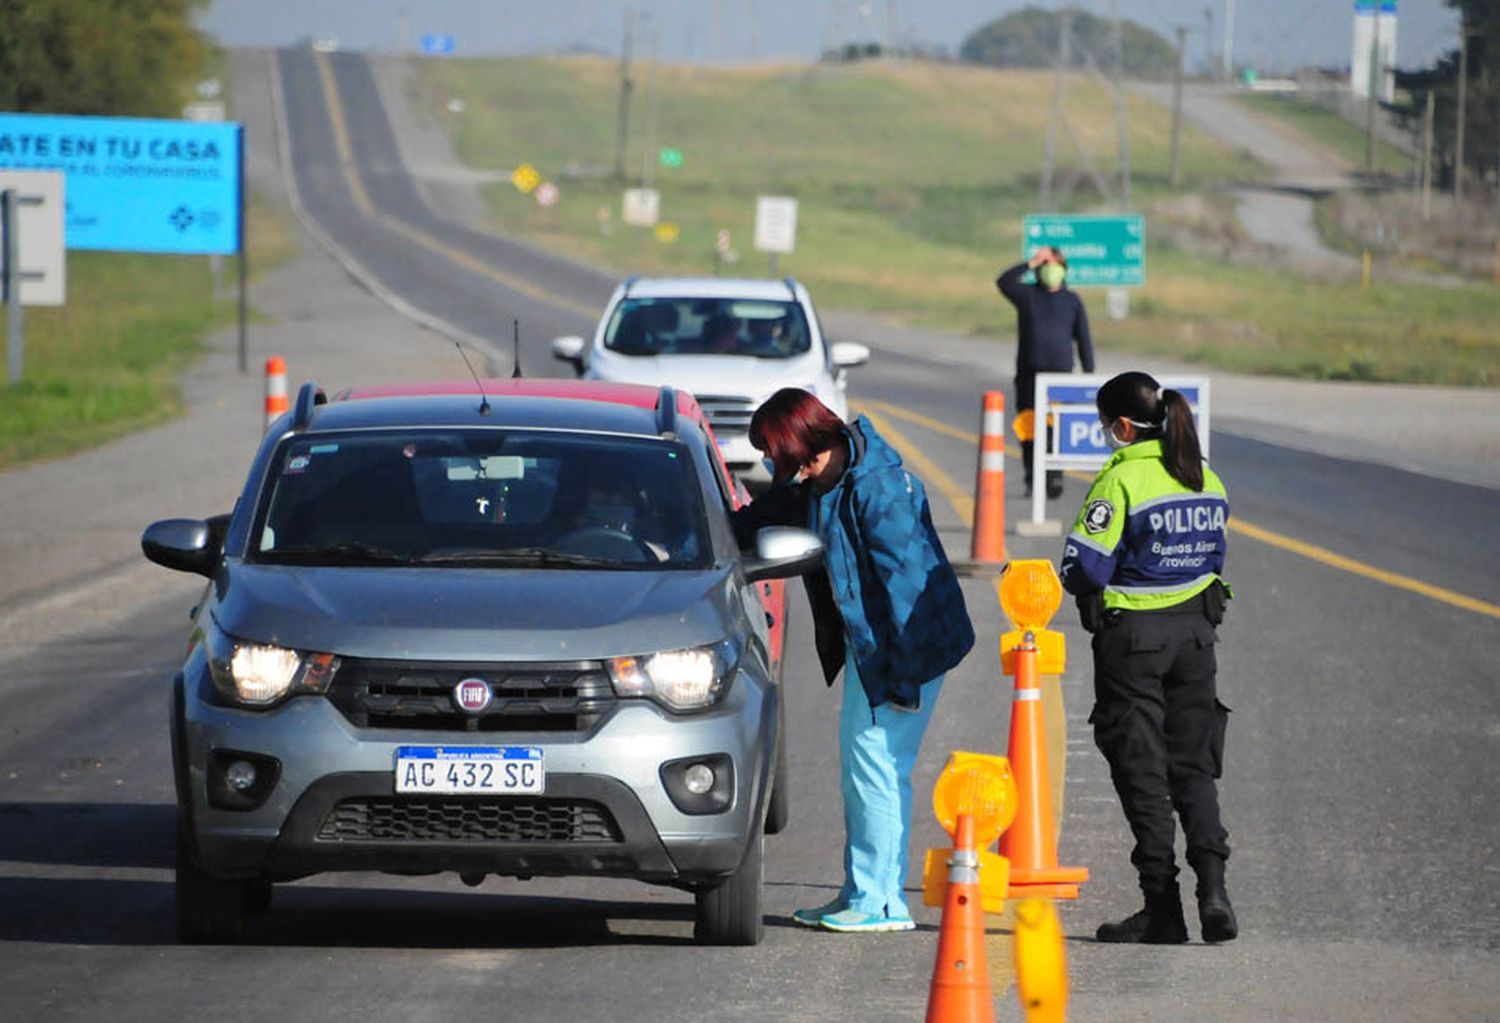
[
  {"x": 847, "y": 354},
  {"x": 186, "y": 545},
  {"x": 782, "y": 552},
  {"x": 569, "y": 349}
]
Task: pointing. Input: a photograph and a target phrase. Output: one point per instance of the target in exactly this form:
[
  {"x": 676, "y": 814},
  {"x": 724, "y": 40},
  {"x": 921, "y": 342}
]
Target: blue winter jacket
[{"x": 889, "y": 591}]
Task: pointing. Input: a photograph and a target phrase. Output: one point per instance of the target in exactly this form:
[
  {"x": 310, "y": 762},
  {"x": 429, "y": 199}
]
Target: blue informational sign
[
  {"x": 136, "y": 185},
  {"x": 438, "y": 44}
]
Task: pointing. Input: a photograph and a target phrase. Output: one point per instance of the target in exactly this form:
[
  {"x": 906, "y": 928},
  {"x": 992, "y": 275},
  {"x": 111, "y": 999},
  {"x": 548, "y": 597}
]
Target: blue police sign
[
  {"x": 136, "y": 185},
  {"x": 437, "y": 44}
]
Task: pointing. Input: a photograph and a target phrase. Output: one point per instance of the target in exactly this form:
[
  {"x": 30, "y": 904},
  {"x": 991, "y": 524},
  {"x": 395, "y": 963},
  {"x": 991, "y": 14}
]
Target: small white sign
[
  {"x": 641, "y": 207},
  {"x": 776, "y": 224},
  {"x": 204, "y": 111},
  {"x": 41, "y": 229},
  {"x": 546, "y": 194}
]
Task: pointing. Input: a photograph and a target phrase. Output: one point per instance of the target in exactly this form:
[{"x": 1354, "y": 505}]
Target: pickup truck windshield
[{"x": 708, "y": 326}]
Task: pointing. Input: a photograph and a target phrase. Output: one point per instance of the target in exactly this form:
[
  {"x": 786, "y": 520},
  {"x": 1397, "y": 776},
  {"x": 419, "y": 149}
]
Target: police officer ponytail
[{"x": 1157, "y": 413}]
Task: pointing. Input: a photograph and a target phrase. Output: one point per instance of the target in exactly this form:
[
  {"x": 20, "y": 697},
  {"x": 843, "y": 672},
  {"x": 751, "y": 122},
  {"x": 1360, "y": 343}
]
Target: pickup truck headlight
[
  {"x": 677, "y": 679},
  {"x": 261, "y": 674}
]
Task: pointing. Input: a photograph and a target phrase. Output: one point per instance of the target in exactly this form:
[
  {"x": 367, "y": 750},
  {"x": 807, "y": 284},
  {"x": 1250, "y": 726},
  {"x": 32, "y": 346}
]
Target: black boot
[
  {"x": 1215, "y": 914},
  {"x": 1160, "y": 923}
]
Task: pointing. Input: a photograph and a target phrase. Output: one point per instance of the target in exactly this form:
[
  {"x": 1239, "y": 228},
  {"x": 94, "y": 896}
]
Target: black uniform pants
[
  {"x": 1159, "y": 724},
  {"x": 1026, "y": 402}
]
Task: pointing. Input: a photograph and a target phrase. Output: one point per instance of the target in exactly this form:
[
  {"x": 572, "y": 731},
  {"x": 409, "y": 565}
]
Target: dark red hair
[{"x": 792, "y": 428}]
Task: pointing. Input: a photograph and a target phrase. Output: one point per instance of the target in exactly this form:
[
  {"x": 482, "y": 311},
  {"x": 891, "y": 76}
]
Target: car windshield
[
  {"x": 482, "y": 498},
  {"x": 708, "y": 326}
]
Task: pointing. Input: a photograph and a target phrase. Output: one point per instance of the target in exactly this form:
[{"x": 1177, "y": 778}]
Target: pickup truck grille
[{"x": 563, "y": 697}]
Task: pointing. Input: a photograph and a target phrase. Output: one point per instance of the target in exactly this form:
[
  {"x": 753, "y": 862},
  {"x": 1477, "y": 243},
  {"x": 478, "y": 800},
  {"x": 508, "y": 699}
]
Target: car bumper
[{"x": 334, "y": 807}]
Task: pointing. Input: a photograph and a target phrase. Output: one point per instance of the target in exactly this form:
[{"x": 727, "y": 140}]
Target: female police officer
[{"x": 1143, "y": 562}]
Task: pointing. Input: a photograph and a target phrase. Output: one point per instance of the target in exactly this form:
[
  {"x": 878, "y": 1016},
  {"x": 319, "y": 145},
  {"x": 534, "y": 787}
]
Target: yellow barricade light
[
  {"x": 1030, "y": 593},
  {"x": 994, "y": 879},
  {"x": 982, "y": 786},
  {"x": 1041, "y": 968},
  {"x": 1051, "y": 651}
]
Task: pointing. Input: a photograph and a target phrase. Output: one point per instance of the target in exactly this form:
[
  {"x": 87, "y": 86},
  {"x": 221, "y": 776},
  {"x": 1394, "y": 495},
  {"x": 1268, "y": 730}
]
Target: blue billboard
[
  {"x": 136, "y": 185},
  {"x": 437, "y": 44}
]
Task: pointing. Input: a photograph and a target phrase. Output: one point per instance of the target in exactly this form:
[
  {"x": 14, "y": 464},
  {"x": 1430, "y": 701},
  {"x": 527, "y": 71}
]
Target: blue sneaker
[
  {"x": 856, "y": 921},
  {"x": 814, "y": 917}
]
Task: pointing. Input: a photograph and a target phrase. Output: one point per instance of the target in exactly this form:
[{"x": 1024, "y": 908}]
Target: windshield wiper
[
  {"x": 344, "y": 553},
  {"x": 536, "y": 557}
]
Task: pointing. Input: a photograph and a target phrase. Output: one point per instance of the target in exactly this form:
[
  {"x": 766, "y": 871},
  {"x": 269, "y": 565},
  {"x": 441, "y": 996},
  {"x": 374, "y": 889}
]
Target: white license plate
[{"x": 470, "y": 770}]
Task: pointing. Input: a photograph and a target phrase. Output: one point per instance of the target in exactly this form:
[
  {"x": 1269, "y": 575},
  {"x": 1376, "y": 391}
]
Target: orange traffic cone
[
  {"x": 1031, "y": 841},
  {"x": 960, "y": 991}
]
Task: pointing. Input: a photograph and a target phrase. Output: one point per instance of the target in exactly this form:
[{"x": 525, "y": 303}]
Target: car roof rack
[
  {"x": 791, "y": 284},
  {"x": 629, "y": 281},
  {"x": 666, "y": 413},
  {"x": 309, "y": 396}
]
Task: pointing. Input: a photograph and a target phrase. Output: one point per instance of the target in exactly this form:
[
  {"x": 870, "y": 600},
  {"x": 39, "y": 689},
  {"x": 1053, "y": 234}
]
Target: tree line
[
  {"x": 1029, "y": 38},
  {"x": 102, "y": 57},
  {"x": 1480, "y": 24}
]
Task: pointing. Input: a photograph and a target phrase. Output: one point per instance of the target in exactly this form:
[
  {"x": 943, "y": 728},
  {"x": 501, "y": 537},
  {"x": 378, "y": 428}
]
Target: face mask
[
  {"x": 1112, "y": 440},
  {"x": 1051, "y": 274}
]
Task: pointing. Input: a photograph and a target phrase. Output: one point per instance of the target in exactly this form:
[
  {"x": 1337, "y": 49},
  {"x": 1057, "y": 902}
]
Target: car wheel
[
  {"x": 209, "y": 910},
  {"x": 729, "y": 913},
  {"x": 778, "y": 812}
]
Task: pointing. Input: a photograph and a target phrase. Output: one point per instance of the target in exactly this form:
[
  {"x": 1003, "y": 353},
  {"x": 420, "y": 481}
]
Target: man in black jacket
[{"x": 1050, "y": 319}]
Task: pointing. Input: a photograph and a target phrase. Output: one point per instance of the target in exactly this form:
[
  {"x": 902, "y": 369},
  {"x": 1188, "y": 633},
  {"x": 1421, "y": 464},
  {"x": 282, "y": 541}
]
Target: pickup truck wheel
[
  {"x": 729, "y": 913},
  {"x": 210, "y": 911}
]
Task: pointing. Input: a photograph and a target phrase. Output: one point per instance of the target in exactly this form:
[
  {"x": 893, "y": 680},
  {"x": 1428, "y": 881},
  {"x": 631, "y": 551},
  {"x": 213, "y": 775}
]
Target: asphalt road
[{"x": 1360, "y": 789}]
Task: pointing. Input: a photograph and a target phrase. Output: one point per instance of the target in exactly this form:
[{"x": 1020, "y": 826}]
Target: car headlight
[
  {"x": 677, "y": 679},
  {"x": 262, "y": 674}
]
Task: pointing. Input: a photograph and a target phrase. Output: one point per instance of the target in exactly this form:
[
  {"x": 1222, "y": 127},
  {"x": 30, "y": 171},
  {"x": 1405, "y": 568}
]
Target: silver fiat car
[{"x": 506, "y": 632}]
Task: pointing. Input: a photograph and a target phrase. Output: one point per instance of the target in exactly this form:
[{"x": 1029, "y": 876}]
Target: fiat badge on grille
[{"x": 472, "y": 695}]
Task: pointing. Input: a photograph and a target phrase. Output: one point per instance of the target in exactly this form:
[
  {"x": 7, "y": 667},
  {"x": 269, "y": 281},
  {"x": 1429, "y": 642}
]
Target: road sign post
[
  {"x": 33, "y": 261},
  {"x": 775, "y": 226},
  {"x": 1076, "y": 439},
  {"x": 1109, "y": 251}
]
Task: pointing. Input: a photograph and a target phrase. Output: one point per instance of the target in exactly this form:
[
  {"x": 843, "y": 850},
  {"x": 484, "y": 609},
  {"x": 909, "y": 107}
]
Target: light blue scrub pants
[{"x": 877, "y": 751}]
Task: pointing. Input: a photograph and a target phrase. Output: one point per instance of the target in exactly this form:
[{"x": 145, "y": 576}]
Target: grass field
[
  {"x": 107, "y": 362},
  {"x": 912, "y": 180}
]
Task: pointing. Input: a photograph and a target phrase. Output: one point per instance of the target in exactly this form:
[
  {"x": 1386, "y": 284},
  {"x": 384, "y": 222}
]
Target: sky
[{"x": 1269, "y": 35}]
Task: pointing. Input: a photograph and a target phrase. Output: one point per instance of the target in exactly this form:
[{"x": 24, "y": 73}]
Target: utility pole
[
  {"x": 1372, "y": 99},
  {"x": 622, "y": 121},
  {"x": 1177, "y": 106},
  {"x": 649, "y": 154},
  {"x": 1054, "y": 117},
  {"x": 1427, "y": 154},
  {"x": 1121, "y": 128},
  {"x": 1228, "y": 39},
  {"x": 1463, "y": 97}
]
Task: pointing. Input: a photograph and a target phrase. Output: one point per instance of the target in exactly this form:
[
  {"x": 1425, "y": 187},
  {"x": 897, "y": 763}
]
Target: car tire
[
  {"x": 210, "y": 911},
  {"x": 778, "y": 809},
  {"x": 729, "y": 913}
]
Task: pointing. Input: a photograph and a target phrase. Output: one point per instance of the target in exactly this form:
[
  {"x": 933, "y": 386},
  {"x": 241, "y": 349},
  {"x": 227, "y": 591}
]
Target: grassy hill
[{"x": 912, "y": 180}]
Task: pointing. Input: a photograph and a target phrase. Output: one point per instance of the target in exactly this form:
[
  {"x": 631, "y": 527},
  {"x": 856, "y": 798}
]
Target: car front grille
[
  {"x": 467, "y": 819},
  {"x": 563, "y": 697},
  {"x": 727, "y": 414}
]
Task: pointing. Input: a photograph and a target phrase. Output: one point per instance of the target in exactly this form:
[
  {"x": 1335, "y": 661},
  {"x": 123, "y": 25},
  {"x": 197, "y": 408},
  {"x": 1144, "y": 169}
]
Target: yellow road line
[
  {"x": 959, "y": 497},
  {"x": 415, "y": 234},
  {"x": 1307, "y": 550},
  {"x": 1400, "y": 582}
]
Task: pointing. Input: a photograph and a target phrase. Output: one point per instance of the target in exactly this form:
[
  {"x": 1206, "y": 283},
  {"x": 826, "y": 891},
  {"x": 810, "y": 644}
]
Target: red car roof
[{"x": 636, "y": 395}]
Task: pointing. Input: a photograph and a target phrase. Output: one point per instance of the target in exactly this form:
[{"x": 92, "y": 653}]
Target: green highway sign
[
  {"x": 1104, "y": 251},
  {"x": 671, "y": 157}
]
